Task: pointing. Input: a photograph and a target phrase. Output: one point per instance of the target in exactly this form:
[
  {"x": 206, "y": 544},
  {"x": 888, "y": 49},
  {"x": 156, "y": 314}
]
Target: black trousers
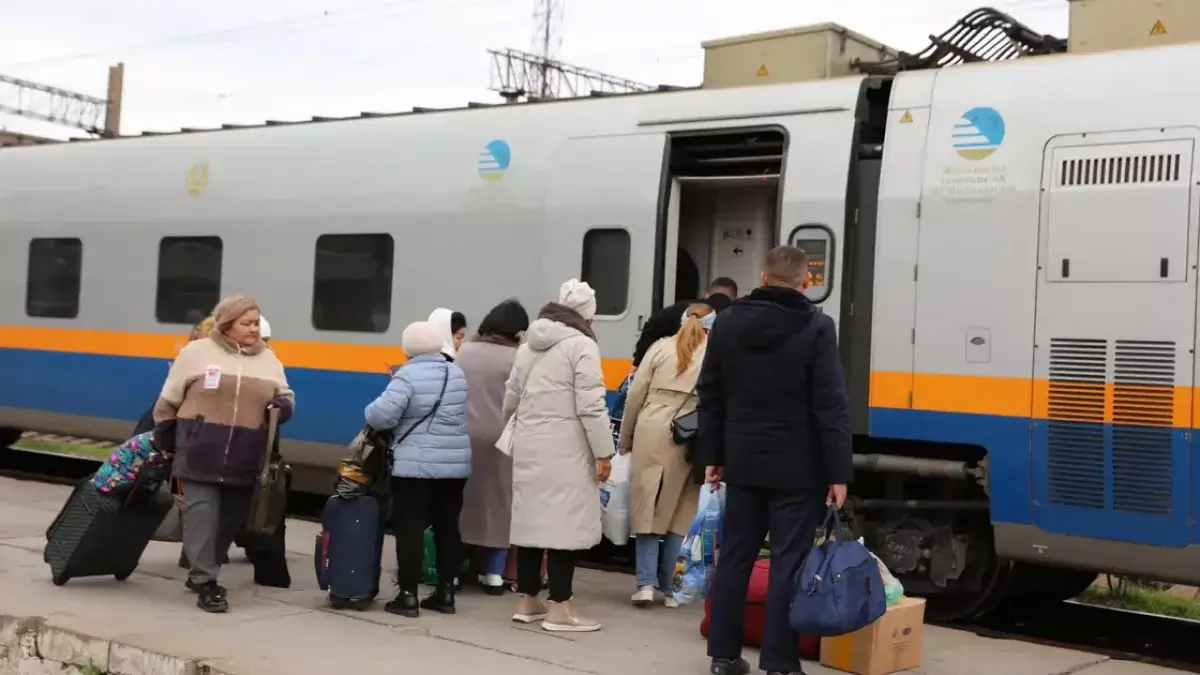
[
  {"x": 560, "y": 568},
  {"x": 418, "y": 503},
  {"x": 792, "y": 519}
]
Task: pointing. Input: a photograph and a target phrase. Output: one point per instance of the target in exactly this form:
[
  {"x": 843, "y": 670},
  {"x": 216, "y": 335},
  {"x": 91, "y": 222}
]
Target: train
[{"x": 1020, "y": 352}]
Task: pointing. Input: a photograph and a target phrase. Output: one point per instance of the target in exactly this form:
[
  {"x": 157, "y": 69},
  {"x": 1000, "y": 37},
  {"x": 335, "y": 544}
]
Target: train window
[
  {"x": 52, "y": 284},
  {"x": 606, "y": 269},
  {"x": 352, "y": 282},
  {"x": 817, "y": 241},
  {"x": 189, "y": 279}
]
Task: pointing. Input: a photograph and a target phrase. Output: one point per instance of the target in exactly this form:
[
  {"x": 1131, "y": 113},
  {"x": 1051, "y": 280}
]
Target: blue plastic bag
[
  {"x": 701, "y": 547},
  {"x": 838, "y": 589},
  {"x": 617, "y": 412}
]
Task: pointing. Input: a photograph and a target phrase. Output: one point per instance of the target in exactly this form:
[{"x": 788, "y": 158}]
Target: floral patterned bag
[{"x": 120, "y": 471}]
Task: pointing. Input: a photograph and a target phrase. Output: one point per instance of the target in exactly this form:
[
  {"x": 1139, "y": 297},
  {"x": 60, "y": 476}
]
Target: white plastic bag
[
  {"x": 892, "y": 587},
  {"x": 701, "y": 549},
  {"x": 614, "y": 502}
]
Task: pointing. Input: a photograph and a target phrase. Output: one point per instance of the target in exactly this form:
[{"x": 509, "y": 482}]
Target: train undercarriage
[{"x": 923, "y": 509}]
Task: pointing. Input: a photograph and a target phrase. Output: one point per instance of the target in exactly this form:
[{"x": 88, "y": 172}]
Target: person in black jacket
[
  {"x": 774, "y": 424},
  {"x": 665, "y": 323}
]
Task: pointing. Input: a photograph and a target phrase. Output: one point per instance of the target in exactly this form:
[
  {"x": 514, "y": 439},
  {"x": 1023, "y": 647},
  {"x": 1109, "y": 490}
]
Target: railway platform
[{"x": 150, "y": 624}]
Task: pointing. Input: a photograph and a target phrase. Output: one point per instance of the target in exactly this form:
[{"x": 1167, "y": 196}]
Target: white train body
[{"x": 1010, "y": 251}]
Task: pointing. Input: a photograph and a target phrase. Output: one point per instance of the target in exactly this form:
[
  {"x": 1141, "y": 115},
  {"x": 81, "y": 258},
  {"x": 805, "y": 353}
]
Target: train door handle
[{"x": 641, "y": 321}]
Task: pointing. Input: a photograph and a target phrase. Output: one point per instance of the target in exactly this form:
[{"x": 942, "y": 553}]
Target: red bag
[{"x": 756, "y": 613}]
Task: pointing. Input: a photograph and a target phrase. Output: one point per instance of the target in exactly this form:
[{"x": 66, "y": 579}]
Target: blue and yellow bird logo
[
  {"x": 494, "y": 160},
  {"x": 978, "y": 133}
]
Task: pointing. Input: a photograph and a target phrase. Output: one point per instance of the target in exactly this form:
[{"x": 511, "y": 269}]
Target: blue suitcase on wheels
[{"x": 349, "y": 550}]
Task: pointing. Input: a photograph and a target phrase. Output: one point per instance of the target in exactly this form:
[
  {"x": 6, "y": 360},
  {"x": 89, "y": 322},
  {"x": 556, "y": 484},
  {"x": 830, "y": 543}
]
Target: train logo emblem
[
  {"x": 494, "y": 160},
  {"x": 197, "y": 179},
  {"x": 978, "y": 133}
]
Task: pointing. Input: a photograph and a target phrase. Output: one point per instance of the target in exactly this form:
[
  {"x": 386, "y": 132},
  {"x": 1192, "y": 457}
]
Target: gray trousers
[{"x": 212, "y": 515}]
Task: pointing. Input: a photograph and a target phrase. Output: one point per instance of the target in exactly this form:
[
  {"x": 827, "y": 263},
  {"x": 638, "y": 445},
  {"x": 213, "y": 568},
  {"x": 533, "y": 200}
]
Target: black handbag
[{"x": 683, "y": 428}]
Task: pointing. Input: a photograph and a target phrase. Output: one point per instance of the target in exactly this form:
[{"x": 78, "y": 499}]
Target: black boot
[
  {"x": 212, "y": 598},
  {"x": 404, "y": 604},
  {"x": 721, "y": 666},
  {"x": 441, "y": 600}
]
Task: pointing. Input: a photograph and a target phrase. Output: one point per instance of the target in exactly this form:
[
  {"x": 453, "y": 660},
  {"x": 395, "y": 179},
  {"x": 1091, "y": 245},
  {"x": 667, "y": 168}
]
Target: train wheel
[{"x": 985, "y": 582}]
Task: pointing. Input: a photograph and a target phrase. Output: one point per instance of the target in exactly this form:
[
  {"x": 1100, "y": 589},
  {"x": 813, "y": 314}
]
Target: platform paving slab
[{"x": 149, "y": 624}]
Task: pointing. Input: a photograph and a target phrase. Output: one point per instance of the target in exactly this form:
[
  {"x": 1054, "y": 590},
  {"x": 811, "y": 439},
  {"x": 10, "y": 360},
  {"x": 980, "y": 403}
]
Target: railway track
[{"x": 1118, "y": 634}]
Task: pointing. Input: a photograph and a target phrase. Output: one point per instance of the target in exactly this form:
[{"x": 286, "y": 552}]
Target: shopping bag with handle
[
  {"x": 701, "y": 548},
  {"x": 838, "y": 589},
  {"x": 269, "y": 500}
]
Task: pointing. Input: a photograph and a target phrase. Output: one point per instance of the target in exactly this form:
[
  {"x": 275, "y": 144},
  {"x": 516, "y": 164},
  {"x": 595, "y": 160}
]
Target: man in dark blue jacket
[{"x": 775, "y": 426}]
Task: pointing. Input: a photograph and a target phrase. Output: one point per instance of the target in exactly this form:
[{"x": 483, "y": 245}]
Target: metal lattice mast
[
  {"x": 44, "y": 103},
  {"x": 547, "y": 38}
]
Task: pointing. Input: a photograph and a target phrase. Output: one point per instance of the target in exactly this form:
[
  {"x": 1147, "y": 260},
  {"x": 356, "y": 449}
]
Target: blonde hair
[
  {"x": 230, "y": 309},
  {"x": 690, "y": 336},
  {"x": 202, "y": 329}
]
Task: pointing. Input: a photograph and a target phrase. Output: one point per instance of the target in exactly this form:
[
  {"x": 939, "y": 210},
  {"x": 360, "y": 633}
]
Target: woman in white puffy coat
[{"x": 561, "y": 448}]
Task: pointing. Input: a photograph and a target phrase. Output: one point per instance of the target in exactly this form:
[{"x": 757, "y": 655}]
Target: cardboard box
[{"x": 890, "y": 645}]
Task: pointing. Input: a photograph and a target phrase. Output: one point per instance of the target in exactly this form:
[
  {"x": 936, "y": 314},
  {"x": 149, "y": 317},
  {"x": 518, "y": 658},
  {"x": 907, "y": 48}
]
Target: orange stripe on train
[
  {"x": 294, "y": 353},
  {"x": 1025, "y": 397}
]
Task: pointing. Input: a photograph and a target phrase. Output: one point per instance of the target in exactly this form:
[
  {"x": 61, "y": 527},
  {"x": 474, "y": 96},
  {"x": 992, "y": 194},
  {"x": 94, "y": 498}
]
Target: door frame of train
[
  {"x": 667, "y": 236},
  {"x": 580, "y": 198}
]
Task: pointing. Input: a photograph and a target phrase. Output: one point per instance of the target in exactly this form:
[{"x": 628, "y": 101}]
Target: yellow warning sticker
[
  {"x": 762, "y": 70},
  {"x": 1158, "y": 28},
  {"x": 906, "y": 118}
]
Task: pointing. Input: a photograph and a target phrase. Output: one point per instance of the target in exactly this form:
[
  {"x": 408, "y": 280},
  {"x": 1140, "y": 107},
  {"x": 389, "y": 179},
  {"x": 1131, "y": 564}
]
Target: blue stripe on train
[
  {"x": 329, "y": 403},
  {"x": 330, "y": 408},
  {"x": 1139, "y": 489}
]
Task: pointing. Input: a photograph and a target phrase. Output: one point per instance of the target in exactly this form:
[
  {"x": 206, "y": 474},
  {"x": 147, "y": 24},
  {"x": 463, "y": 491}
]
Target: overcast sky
[{"x": 243, "y": 61}]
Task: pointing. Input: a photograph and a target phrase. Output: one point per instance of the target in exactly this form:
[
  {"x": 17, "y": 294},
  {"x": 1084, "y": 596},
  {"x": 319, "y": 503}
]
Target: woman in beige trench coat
[
  {"x": 561, "y": 447},
  {"x": 663, "y": 497},
  {"x": 487, "y": 360}
]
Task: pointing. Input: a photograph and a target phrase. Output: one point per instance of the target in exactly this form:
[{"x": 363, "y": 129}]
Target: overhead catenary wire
[
  {"x": 329, "y": 18},
  {"x": 671, "y": 53},
  {"x": 350, "y": 71}
]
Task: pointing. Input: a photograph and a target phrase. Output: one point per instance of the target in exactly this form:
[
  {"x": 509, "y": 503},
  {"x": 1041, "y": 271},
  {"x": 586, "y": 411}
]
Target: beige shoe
[
  {"x": 670, "y": 602},
  {"x": 529, "y": 609},
  {"x": 643, "y": 597},
  {"x": 560, "y": 619}
]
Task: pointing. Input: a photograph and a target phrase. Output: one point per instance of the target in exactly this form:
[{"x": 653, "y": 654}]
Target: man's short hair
[
  {"x": 786, "y": 266},
  {"x": 723, "y": 282}
]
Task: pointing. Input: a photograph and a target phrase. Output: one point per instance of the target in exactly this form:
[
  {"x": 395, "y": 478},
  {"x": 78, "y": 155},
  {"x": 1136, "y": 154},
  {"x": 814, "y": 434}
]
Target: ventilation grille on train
[
  {"x": 1123, "y": 170},
  {"x": 1136, "y": 446}
]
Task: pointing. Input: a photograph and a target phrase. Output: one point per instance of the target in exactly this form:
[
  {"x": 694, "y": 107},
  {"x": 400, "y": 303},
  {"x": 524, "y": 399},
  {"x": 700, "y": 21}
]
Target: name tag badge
[{"x": 212, "y": 377}]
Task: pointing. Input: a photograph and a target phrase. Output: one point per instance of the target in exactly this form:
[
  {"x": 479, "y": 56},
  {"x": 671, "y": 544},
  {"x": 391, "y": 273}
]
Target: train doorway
[{"x": 722, "y": 209}]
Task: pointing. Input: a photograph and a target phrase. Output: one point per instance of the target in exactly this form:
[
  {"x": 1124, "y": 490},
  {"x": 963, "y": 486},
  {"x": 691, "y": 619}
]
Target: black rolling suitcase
[{"x": 98, "y": 534}]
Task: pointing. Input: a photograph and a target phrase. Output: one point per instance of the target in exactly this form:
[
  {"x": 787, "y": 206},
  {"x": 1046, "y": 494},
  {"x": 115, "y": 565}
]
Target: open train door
[
  {"x": 602, "y": 206},
  {"x": 1114, "y": 337}
]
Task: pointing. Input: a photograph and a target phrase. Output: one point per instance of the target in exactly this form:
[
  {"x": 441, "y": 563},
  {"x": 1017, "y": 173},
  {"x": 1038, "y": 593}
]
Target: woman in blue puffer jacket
[{"x": 425, "y": 408}]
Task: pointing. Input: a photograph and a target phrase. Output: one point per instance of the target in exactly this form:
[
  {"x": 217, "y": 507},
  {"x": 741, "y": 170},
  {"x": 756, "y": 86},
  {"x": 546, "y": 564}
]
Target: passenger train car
[{"x": 1010, "y": 251}]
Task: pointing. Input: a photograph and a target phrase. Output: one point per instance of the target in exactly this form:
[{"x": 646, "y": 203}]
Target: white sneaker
[
  {"x": 670, "y": 602},
  {"x": 644, "y": 596}
]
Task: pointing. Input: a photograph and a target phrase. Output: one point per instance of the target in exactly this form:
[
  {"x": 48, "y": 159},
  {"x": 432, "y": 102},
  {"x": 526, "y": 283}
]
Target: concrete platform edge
[{"x": 29, "y": 641}]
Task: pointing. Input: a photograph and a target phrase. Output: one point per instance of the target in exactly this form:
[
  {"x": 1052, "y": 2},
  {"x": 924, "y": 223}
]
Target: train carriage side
[
  {"x": 1034, "y": 320},
  {"x": 346, "y": 230}
]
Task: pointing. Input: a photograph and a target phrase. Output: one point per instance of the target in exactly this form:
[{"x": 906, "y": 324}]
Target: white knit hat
[
  {"x": 579, "y": 296},
  {"x": 420, "y": 337}
]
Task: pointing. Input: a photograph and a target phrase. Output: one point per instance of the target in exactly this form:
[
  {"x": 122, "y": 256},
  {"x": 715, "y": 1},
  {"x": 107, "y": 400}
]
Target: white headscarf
[{"x": 440, "y": 320}]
